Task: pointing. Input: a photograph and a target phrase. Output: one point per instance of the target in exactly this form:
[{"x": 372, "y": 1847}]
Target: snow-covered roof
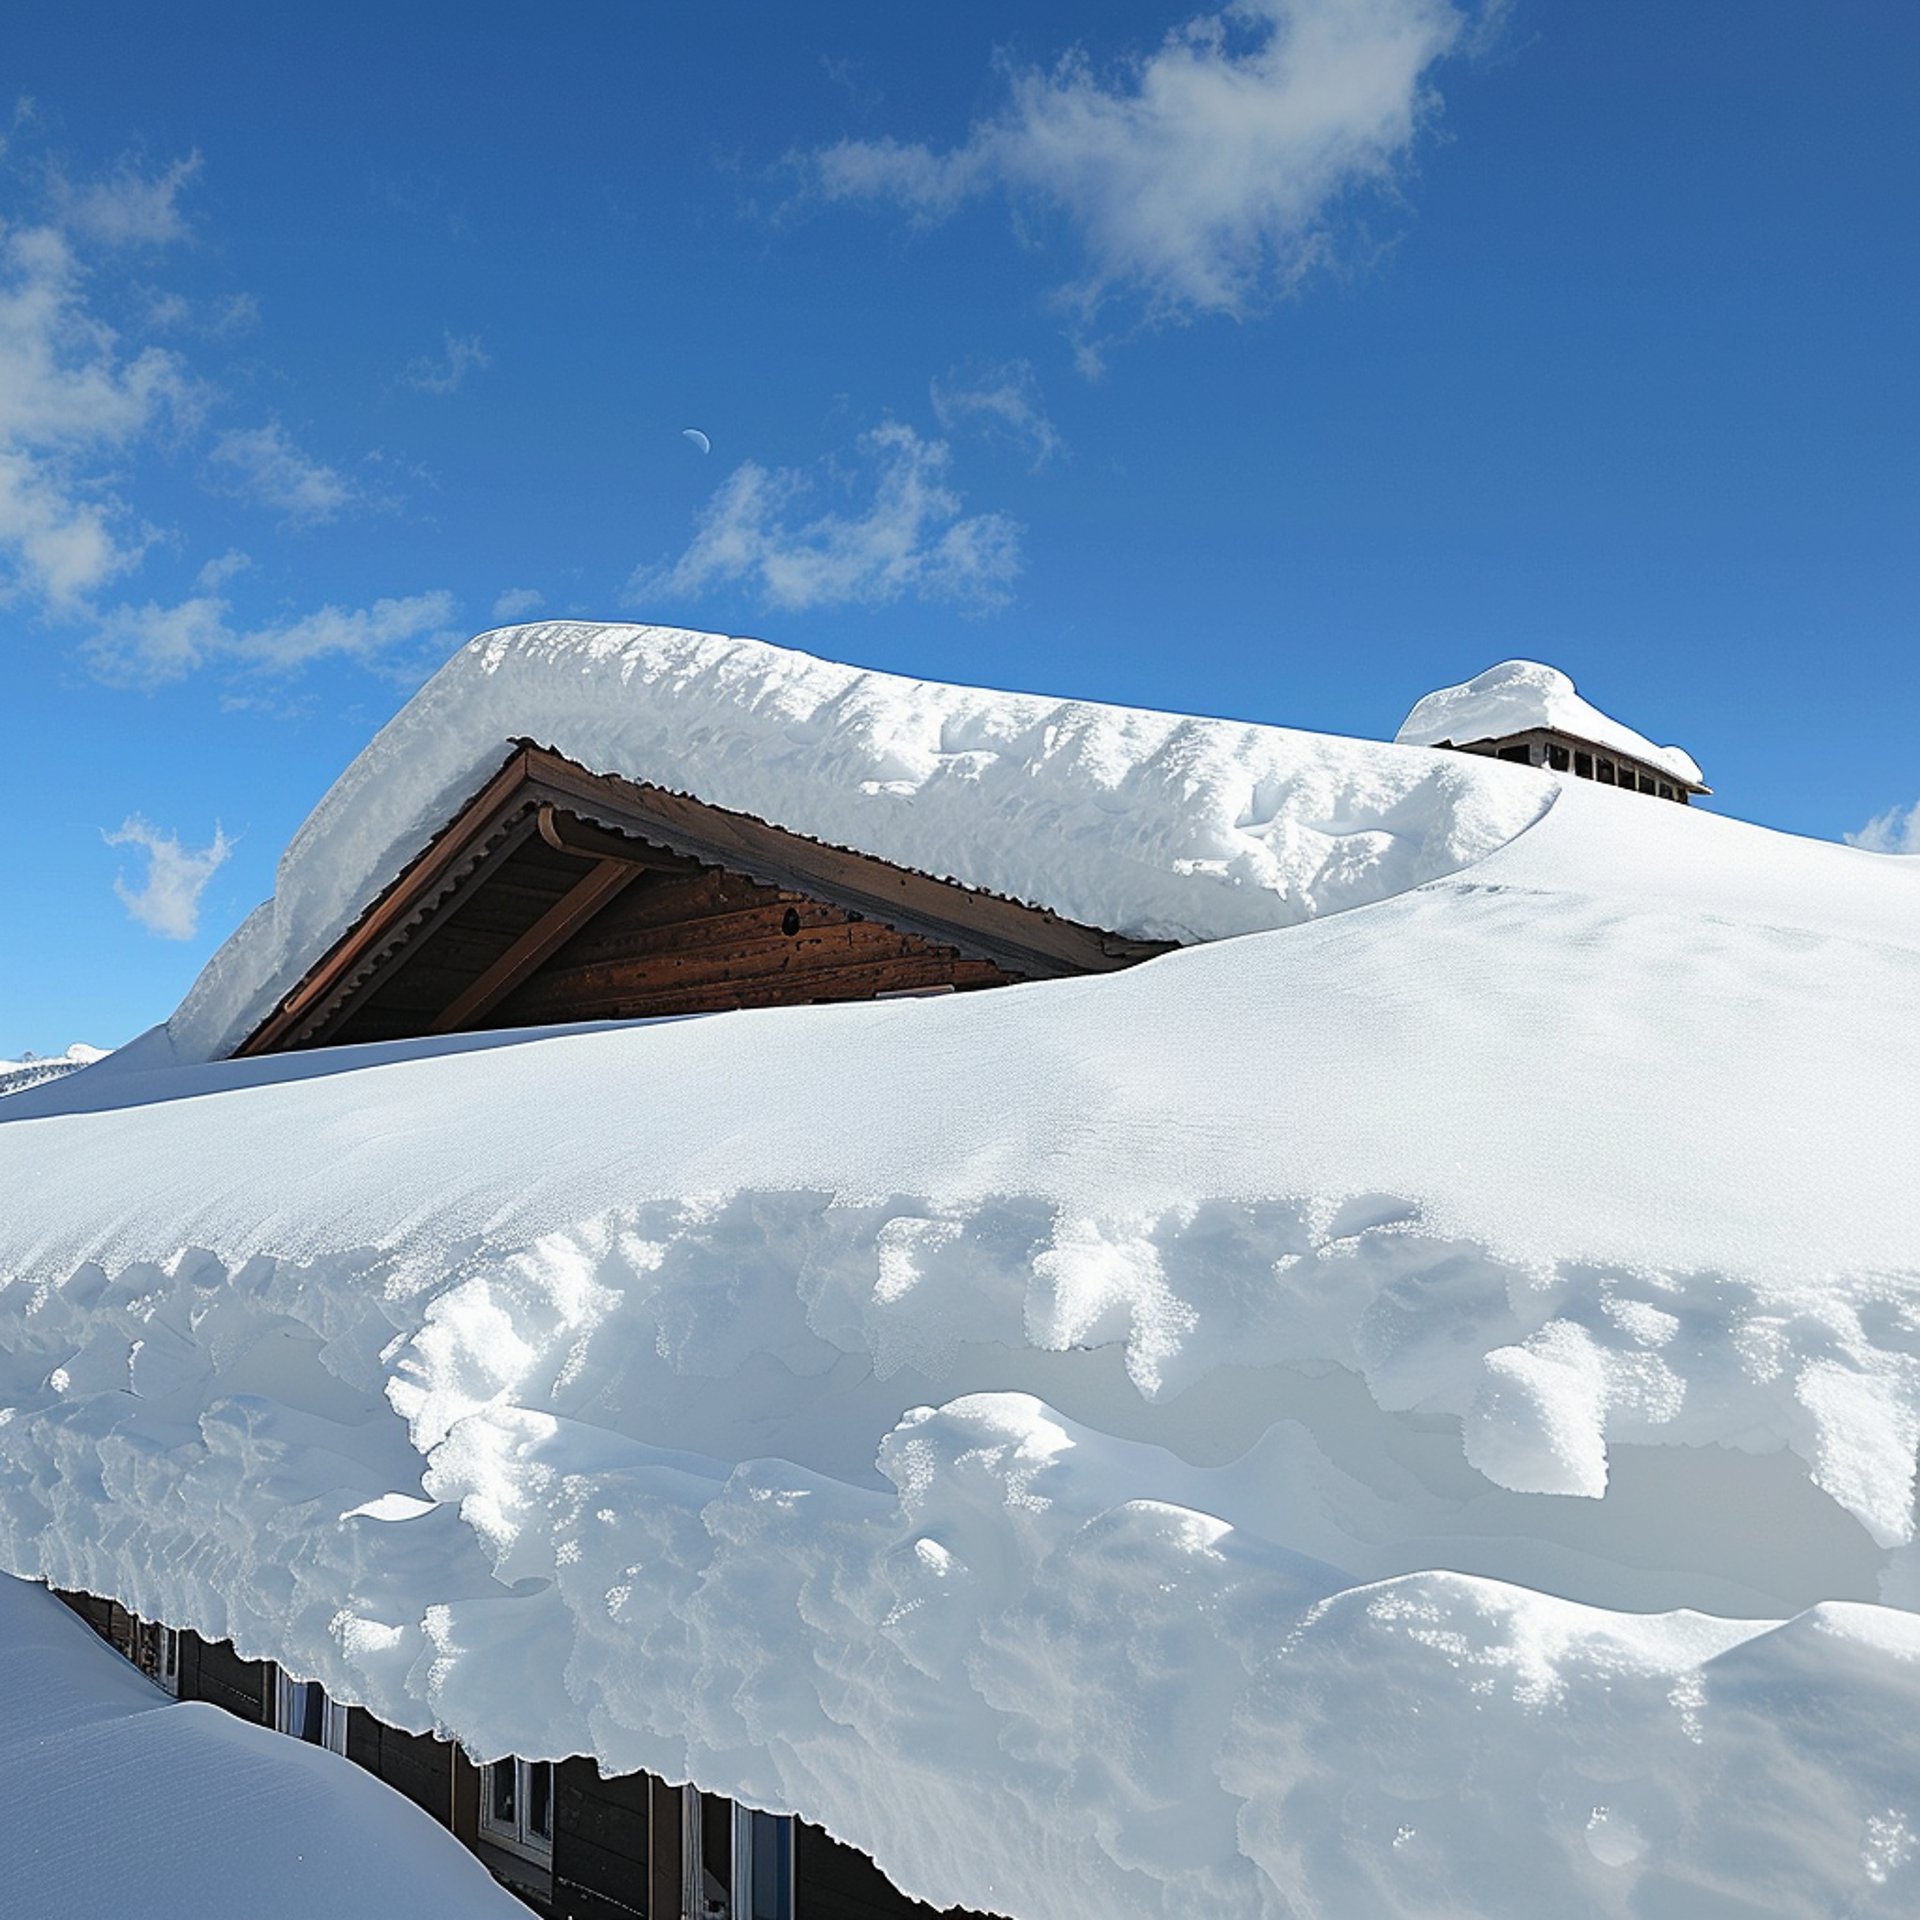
[
  {"x": 1154, "y": 825},
  {"x": 1519, "y": 695},
  {"x": 1110, "y": 1465}
]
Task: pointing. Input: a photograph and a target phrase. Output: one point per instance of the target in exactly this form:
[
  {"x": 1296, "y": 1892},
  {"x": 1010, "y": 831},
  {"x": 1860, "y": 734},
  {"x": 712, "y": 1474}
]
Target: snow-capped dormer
[{"x": 1529, "y": 713}]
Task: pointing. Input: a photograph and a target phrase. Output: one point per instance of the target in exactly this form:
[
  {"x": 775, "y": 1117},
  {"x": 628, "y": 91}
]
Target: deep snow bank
[
  {"x": 122, "y": 1802},
  {"x": 999, "y": 1470},
  {"x": 1154, "y": 825}
]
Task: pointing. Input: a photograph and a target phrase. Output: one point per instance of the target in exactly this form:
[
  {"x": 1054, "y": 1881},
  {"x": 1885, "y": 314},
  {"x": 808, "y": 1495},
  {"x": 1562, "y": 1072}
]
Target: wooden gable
[{"x": 557, "y": 895}]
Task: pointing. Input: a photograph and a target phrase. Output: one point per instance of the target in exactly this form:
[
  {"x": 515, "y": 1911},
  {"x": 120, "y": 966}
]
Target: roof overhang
[{"x": 625, "y": 827}]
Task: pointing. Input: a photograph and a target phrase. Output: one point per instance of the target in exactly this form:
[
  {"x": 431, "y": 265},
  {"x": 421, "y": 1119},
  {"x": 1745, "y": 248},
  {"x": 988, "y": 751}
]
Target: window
[
  {"x": 735, "y": 1863},
  {"x": 1524, "y": 755},
  {"x": 302, "y": 1711},
  {"x": 762, "y": 1865},
  {"x": 1606, "y": 773},
  {"x": 1558, "y": 758},
  {"x": 1583, "y": 766},
  {"x": 516, "y": 1807},
  {"x": 156, "y": 1652}
]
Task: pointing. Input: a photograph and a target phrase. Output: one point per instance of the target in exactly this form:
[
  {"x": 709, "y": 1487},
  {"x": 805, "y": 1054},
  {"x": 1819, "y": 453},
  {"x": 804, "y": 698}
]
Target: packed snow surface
[
  {"x": 1153, "y": 825},
  {"x": 1521, "y": 694},
  {"x": 1412, "y": 1413},
  {"x": 121, "y": 1802}
]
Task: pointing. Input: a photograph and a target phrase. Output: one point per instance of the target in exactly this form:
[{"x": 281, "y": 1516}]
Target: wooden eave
[
  {"x": 1492, "y": 743},
  {"x": 626, "y": 828}
]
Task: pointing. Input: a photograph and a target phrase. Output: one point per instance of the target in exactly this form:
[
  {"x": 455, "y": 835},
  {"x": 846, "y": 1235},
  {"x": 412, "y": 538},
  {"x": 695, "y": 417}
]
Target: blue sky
[{"x": 1281, "y": 362}]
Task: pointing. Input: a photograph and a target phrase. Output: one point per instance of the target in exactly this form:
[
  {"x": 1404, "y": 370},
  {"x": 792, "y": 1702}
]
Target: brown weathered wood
[
  {"x": 568, "y": 833},
  {"x": 663, "y": 1849},
  {"x": 391, "y": 911},
  {"x": 711, "y": 940},
  {"x": 634, "y": 1000},
  {"x": 547, "y": 935}
]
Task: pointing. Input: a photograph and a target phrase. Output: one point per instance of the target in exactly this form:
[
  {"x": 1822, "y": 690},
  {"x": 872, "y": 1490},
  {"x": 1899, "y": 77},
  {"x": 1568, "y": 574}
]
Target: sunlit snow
[
  {"x": 1413, "y": 1411},
  {"x": 1521, "y": 694}
]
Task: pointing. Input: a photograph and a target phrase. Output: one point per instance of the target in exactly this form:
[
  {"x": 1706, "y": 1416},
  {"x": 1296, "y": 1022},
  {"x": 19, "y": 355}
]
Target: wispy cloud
[
  {"x": 167, "y": 901},
  {"x": 151, "y": 644},
  {"x": 216, "y": 319},
  {"x": 263, "y": 466},
  {"x": 517, "y": 602},
  {"x": 128, "y": 207},
  {"x": 79, "y": 404},
  {"x": 72, "y": 402},
  {"x": 447, "y": 373},
  {"x": 909, "y": 537},
  {"x": 1895, "y": 831},
  {"x": 999, "y": 403},
  {"x": 1203, "y": 178}
]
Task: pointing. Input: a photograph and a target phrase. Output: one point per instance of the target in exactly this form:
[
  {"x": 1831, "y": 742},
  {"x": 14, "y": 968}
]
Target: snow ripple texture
[
  {"x": 1413, "y": 1413},
  {"x": 1152, "y": 825}
]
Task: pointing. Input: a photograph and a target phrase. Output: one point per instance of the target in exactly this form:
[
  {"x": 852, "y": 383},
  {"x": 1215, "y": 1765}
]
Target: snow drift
[
  {"x": 120, "y": 1801},
  {"x": 1413, "y": 1412}
]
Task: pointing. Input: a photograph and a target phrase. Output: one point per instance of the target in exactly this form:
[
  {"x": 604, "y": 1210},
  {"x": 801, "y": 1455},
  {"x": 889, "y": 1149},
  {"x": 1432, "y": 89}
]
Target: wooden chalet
[
  {"x": 556, "y": 894},
  {"x": 1565, "y": 752}
]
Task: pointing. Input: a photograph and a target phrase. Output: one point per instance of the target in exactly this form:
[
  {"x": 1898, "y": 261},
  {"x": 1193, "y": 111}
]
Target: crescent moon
[{"x": 698, "y": 438}]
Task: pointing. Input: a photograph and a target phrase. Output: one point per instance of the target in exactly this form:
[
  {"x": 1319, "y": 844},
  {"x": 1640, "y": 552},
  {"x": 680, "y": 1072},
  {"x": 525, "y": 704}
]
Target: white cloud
[
  {"x": 1895, "y": 831},
  {"x": 1000, "y": 403},
  {"x": 909, "y": 538},
  {"x": 460, "y": 357},
  {"x": 71, "y": 403},
  {"x": 167, "y": 902},
  {"x": 151, "y": 644},
  {"x": 366, "y": 634},
  {"x": 518, "y": 601},
  {"x": 1204, "y": 178},
  {"x": 76, "y": 405},
  {"x": 127, "y": 208},
  {"x": 264, "y": 466}
]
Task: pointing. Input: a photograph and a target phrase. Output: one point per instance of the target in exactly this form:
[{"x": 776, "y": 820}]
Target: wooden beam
[
  {"x": 546, "y": 936},
  {"x": 388, "y": 916},
  {"x": 568, "y": 833}
]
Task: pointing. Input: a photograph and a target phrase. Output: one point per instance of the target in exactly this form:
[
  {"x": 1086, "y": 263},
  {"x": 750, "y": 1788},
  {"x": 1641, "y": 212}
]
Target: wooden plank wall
[
  {"x": 600, "y": 1844},
  {"x": 210, "y": 1670},
  {"x": 709, "y": 940},
  {"x": 415, "y": 1764}
]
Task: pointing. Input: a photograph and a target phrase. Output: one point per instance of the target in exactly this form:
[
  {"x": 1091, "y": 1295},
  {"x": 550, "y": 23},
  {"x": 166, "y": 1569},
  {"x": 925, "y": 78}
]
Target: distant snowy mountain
[{"x": 31, "y": 1070}]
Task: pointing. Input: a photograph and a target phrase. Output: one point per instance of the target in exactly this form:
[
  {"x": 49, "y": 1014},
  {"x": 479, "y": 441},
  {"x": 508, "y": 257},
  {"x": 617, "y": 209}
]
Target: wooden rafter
[{"x": 545, "y": 937}]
